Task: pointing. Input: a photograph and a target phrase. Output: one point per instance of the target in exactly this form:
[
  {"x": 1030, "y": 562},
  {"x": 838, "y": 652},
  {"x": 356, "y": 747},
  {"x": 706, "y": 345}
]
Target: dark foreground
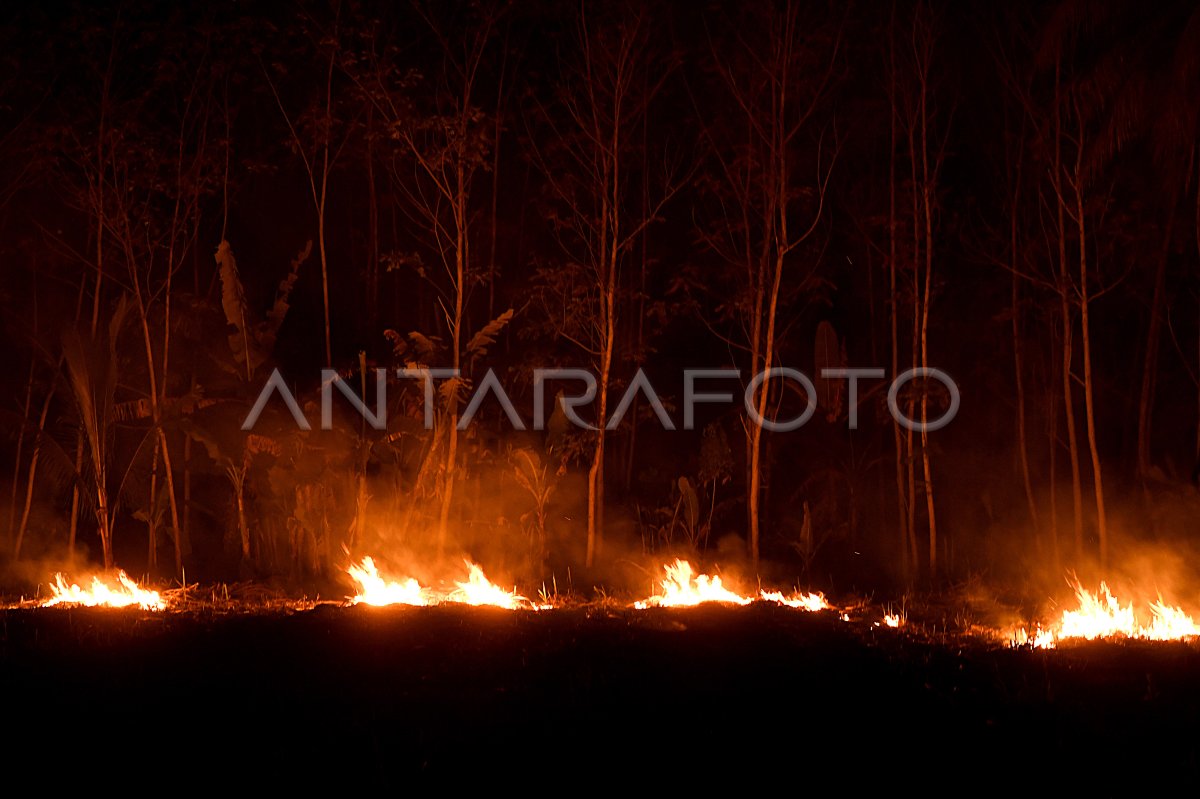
[{"x": 378, "y": 694}]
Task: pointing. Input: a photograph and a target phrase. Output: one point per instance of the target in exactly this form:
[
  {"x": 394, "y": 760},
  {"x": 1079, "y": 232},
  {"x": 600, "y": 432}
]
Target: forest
[{"x": 194, "y": 198}]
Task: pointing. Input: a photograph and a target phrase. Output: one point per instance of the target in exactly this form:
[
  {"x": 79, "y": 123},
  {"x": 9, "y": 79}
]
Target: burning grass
[
  {"x": 1094, "y": 616},
  {"x": 1101, "y": 615},
  {"x": 683, "y": 587},
  {"x": 121, "y": 593},
  {"x": 476, "y": 589}
]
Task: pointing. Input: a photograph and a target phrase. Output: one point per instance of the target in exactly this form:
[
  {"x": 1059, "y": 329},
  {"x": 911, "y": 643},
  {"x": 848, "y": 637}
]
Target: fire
[
  {"x": 374, "y": 590},
  {"x": 892, "y": 620},
  {"x": 478, "y": 590},
  {"x": 1101, "y": 615},
  {"x": 1169, "y": 623},
  {"x": 810, "y": 602},
  {"x": 1039, "y": 639},
  {"x": 122, "y": 595},
  {"x": 683, "y": 587}
]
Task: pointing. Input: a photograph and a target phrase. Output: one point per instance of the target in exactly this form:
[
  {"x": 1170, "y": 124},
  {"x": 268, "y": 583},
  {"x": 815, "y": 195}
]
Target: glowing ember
[
  {"x": 374, "y": 590},
  {"x": 683, "y": 587},
  {"x": 123, "y": 595},
  {"x": 811, "y": 602},
  {"x": 478, "y": 590}
]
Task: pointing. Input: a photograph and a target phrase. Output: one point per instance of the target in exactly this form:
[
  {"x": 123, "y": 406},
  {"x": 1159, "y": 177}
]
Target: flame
[
  {"x": 374, "y": 590},
  {"x": 478, "y": 590},
  {"x": 1101, "y": 615},
  {"x": 102, "y": 594},
  {"x": 683, "y": 587},
  {"x": 892, "y": 620},
  {"x": 1040, "y": 639},
  {"x": 810, "y": 602},
  {"x": 1169, "y": 623}
]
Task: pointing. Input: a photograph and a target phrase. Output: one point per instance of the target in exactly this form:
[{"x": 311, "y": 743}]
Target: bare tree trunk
[
  {"x": 17, "y": 457},
  {"x": 372, "y": 227},
  {"x": 927, "y": 179},
  {"x": 1019, "y": 376},
  {"x": 1064, "y": 289},
  {"x": 460, "y": 266},
  {"x": 915, "y": 333},
  {"x": 324, "y": 192},
  {"x": 33, "y": 467},
  {"x": 1150, "y": 358},
  {"x": 907, "y": 557},
  {"x": 151, "y": 516},
  {"x": 595, "y": 531},
  {"x": 1196, "y": 228},
  {"x": 1088, "y": 391},
  {"x": 1052, "y": 421}
]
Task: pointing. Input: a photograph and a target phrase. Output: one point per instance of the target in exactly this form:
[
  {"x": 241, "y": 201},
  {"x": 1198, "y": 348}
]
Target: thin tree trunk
[
  {"x": 321, "y": 206},
  {"x": 151, "y": 517},
  {"x": 460, "y": 271},
  {"x": 17, "y": 457},
  {"x": 155, "y": 406},
  {"x": 1150, "y": 358},
  {"x": 907, "y": 557},
  {"x": 33, "y": 466},
  {"x": 1088, "y": 389},
  {"x": 1019, "y": 378},
  {"x": 596, "y": 471},
  {"x": 372, "y": 227},
  {"x": 915, "y": 333},
  {"x": 1064, "y": 288},
  {"x": 1052, "y": 421},
  {"x": 926, "y": 190},
  {"x": 1196, "y": 228}
]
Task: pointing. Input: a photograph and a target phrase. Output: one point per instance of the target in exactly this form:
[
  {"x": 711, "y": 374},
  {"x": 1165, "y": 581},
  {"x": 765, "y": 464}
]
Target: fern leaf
[{"x": 478, "y": 345}]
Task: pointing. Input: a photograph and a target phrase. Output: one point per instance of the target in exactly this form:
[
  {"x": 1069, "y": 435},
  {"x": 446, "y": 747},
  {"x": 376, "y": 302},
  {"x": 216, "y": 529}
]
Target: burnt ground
[{"x": 381, "y": 694}]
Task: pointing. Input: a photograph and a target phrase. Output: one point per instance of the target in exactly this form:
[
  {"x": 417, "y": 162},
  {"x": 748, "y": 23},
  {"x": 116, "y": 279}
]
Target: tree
[
  {"x": 444, "y": 141},
  {"x": 589, "y": 156},
  {"x": 774, "y": 164}
]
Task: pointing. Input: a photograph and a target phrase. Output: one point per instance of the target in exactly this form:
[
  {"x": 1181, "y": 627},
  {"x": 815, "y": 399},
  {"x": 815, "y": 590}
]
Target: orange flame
[
  {"x": 125, "y": 594},
  {"x": 1101, "y": 615},
  {"x": 478, "y": 590},
  {"x": 809, "y": 602},
  {"x": 374, "y": 590},
  {"x": 682, "y": 587}
]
